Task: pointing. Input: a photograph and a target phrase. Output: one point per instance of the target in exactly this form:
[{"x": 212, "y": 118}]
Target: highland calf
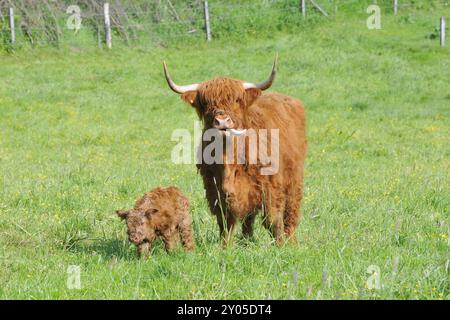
[
  {"x": 161, "y": 213},
  {"x": 237, "y": 191}
]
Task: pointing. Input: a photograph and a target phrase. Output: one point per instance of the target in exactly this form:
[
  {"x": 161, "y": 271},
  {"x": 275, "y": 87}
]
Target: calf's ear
[
  {"x": 251, "y": 95},
  {"x": 122, "y": 213},
  {"x": 191, "y": 98}
]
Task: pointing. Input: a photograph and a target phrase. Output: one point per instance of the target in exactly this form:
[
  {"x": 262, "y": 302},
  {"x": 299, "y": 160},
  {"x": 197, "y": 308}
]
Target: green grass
[{"x": 86, "y": 131}]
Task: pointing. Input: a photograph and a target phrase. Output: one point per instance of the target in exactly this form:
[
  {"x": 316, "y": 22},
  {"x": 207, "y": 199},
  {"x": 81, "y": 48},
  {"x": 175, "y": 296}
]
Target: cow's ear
[
  {"x": 122, "y": 213},
  {"x": 251, "y": 95},
  {"x": 190, "y": 97}
]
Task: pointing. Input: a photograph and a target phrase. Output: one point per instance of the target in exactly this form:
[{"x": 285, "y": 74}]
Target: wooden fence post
[
  {"x": 395, "y": 7},
  {"x": 303, "y": 7},
  {"x": 207, "y": 26},
  {"x": 11, "y": 26},
  {"x": 442, "y": 31},
  {"x": 107, "y": 25}
]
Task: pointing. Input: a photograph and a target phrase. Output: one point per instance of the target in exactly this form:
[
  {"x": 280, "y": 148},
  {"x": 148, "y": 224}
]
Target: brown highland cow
[
  {"x": 161, "y": 213},
  {"x": 237, "y": 191}
]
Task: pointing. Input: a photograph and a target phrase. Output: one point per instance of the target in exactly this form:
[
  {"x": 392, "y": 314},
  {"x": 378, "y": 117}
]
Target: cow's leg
[
  {"x": 247, "y": 225},
  {"x": 273, "y": 215},
  {"x": 291, "y": 217},
  {"x": 227, "y": 223},
  {"x": 292, "y": 212},
  {"x": 211, "y": 189},
  {"x": 274, "y": 222},
  {"x": 217, "y": 204}
]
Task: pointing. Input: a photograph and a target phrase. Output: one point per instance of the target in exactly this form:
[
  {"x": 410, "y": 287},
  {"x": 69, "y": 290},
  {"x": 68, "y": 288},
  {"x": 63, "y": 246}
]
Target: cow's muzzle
[
  {"x": 223, "y": 122},
  {"x": 225, "y": 125}
]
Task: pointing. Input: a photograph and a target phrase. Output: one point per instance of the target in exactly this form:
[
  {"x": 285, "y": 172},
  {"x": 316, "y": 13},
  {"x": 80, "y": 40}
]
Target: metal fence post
[
  {"x": 207, "y": 26},
  {"x": 107, "y": 25},
  {"x": 442, "y": 31},
  {"x": 11, "y": 26}
]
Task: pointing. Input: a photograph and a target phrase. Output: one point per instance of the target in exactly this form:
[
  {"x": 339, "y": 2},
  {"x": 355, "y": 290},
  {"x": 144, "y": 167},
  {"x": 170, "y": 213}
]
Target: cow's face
[{"x": 222, "y": 103}]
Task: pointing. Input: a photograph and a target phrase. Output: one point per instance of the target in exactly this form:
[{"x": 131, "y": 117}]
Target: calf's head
[
  {"x": 139, "y": 224},
  {"x": 222, "y": 102}
]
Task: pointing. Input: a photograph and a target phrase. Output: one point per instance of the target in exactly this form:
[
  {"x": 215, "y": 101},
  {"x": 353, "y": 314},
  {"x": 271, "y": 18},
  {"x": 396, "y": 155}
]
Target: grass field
[{"x": 87, "y": 131}]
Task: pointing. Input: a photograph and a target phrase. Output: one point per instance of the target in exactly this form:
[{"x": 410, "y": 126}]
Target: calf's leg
[
  {"x": 185, "y": 230},
  {"x": 169, "y": 237},
  {"x": 144, "y": 249}
]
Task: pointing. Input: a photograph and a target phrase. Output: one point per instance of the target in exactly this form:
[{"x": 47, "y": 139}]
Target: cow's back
[{"x": 278, "y": 109}]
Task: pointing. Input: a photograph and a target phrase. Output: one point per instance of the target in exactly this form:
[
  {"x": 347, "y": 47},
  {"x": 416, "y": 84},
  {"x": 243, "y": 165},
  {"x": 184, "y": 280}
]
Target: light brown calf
[{"x": 161, "y": 213}]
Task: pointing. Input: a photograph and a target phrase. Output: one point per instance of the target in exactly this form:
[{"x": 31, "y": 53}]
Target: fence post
[
  {"x": 207, "y": 26},
  {"x": 442, "y": 31},
  {"x": 107, "y": 25},
  {"x": 11, "y": 26},
  {"x": 395, "y": 7},
  {"x": 303, "y": 7}
]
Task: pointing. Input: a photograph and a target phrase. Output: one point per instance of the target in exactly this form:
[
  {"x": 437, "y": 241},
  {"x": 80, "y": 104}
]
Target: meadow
[{"x": 85, "y": 131}]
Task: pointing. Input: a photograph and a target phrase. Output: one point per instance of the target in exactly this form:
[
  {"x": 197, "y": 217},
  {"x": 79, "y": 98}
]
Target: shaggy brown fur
[
  {"x": 161, "y": 213},
  {"x": 238, "y": 191}
]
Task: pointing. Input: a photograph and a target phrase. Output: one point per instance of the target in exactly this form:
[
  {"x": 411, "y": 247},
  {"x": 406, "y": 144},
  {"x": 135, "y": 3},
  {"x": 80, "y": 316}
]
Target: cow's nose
[{"x": 223, "y": 122}]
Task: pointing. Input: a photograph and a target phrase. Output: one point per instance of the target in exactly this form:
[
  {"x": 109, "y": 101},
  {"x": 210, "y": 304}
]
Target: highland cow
[
  {"x": 161, "y": 213},
  {"x": 237, "y": 191}
]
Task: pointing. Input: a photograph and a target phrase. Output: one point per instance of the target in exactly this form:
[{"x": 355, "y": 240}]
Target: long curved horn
[
  {"x": 176, "y": 88},
  {"x": 267, "y": 83}
]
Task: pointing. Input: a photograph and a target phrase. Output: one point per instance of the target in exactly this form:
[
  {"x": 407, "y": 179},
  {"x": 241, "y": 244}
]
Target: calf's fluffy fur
[{"x": 161, "y": 213}]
